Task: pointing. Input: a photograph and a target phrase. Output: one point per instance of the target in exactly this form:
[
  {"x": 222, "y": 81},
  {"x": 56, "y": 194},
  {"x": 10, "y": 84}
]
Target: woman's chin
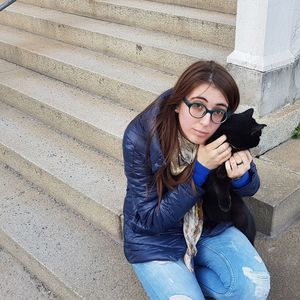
[{"x": 198, "y": 140}]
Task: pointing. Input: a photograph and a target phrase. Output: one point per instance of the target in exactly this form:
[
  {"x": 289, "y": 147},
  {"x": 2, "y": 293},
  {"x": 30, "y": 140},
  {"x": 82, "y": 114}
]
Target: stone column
[{"x": 265, "y": 61}]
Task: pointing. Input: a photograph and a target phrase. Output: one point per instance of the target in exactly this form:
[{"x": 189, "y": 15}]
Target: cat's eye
[{"x": 199, "y": 110}]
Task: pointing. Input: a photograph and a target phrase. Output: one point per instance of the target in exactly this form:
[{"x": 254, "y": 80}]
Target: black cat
[{"x": 220, "y": 202}]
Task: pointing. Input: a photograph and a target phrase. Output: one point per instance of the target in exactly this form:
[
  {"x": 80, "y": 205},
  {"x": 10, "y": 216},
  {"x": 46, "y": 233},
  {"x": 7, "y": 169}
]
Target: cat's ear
[
  {"x": 257, "y": 128},
  {"x": 249, "y": 112}
]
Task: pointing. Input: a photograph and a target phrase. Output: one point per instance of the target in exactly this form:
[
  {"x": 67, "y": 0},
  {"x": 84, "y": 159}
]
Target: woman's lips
[{"x": 200, "y": 132}]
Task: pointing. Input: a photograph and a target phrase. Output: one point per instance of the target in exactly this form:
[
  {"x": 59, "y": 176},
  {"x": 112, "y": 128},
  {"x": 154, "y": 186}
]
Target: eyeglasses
[{"x": 198, "y": 110}]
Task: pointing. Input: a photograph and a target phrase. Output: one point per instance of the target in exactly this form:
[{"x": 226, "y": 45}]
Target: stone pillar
[{"x": 265, "y": 61}]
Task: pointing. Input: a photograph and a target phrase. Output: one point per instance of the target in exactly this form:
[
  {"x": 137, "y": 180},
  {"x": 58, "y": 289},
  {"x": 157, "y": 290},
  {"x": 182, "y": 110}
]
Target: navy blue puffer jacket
[{"x": 151, "y": 233}]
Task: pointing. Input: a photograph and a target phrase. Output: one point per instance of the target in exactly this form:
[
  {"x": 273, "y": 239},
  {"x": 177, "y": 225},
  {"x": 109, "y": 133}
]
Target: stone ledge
[
  {"x": 276, "y": 204},
  {"x": 280, "y": 125}
]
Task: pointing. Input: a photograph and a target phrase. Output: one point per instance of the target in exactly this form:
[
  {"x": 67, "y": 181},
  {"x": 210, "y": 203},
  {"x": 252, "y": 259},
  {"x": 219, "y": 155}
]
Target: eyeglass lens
[{"x": 199, "y": 110}]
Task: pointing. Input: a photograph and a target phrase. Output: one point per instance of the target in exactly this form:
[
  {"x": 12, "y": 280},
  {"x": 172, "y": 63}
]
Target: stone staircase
[
  {"x": 17, "y": 283},
  {"x": 73, "y": 74}
]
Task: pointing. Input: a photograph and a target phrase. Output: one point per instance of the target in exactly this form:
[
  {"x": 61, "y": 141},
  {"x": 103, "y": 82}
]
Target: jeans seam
[{"x": 227, "y": 263}]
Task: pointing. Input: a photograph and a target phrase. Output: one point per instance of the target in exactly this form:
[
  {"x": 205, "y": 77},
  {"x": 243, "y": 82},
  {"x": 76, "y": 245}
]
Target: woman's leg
[
  {"x": 227, "y": 266},
  {"x": 164, "y": 280}
]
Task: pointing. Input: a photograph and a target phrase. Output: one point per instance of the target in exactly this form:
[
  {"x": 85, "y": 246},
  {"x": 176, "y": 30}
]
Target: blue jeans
[{"x": 227, "y": 266}]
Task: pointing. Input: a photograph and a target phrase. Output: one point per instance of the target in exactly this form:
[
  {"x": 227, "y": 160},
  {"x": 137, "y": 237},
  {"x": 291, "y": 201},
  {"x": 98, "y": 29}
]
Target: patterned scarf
[{"x": 193, "y": 219}]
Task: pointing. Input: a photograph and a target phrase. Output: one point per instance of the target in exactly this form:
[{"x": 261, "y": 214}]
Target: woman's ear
[{"x": 176, "y": 109}]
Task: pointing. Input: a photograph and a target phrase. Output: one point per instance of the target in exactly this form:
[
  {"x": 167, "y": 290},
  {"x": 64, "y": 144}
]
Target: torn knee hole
[{"x": 180, "y": 297}]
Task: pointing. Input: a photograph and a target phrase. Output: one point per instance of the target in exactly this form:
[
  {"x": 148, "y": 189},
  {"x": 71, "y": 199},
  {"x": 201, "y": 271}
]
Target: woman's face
[{"x": 199, "y": 130}]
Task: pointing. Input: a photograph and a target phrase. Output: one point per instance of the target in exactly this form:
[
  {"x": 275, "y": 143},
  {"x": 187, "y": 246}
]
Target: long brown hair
[{"x": 167, "y": 123}]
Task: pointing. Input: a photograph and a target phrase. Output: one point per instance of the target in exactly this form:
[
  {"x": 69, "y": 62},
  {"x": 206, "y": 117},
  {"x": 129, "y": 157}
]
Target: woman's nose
[{"x": 206, "y": 119}]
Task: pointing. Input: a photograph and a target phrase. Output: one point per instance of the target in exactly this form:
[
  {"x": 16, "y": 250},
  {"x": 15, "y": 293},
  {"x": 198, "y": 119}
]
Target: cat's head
[{"x": 241, "y": 130}]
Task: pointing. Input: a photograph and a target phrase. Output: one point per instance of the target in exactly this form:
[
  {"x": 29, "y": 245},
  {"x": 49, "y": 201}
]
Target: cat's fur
[{"x": 220, "y": 202}]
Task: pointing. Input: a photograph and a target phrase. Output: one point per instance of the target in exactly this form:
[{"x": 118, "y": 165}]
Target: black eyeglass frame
[{"x": 189, "y": 104}]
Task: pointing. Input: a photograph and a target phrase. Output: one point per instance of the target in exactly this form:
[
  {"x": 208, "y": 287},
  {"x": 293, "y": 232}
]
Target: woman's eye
[
  {"x": 198, "y": 106},
  {"x": 219, "y": 112}
]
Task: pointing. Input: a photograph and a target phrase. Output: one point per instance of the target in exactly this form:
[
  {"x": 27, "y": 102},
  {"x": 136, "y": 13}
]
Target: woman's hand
[
  {"x": 214, "y": 154},
  {"x": 238, "y": 164}
]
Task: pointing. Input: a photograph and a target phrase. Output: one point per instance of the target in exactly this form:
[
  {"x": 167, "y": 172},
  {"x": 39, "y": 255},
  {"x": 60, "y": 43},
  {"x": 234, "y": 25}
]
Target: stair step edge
[
  {"x": 65, "y": 250},
  {"x": 87, "y": 181}
]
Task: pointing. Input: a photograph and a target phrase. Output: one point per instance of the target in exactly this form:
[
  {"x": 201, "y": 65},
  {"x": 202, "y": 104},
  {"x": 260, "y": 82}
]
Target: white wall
[{"x": 295, "y": 37}]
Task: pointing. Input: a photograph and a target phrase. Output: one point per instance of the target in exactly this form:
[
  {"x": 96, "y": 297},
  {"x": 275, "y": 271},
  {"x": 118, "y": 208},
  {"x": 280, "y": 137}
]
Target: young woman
[{"x": 166, "y": 164}]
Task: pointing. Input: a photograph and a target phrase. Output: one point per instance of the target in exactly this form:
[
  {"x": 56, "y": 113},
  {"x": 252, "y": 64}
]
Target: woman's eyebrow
[
  {"x": 202, "y": 98},
  {"x": 199, "y": 97}
]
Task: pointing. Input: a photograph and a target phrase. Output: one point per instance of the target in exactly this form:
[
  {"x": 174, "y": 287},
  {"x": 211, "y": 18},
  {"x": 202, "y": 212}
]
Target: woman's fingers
[
  {"x": 238, "y": 164},
  {"x": 238, "y": 158},
  {"x": 216, "y": 143},
  {"x": 233, "y": 164},
  {"x": 220, "y": 148},
  {"x": 225, "y": 155},
  {"x": 245, "y": 157},
  {"x": 228, "y": 167},
  {"x": 231, "y": 168},
  {"x": 214, "y": 154},
  {"x": 250, "y": 158}
]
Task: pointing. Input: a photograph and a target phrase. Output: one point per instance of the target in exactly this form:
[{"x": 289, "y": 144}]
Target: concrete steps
[
  {"x": 276, "y": 204},
  {"x": 79, "y": 114},
  {"x": 75, "y": 259},
  {"x": 17, "y": 283},
  {"x": 224, "y": 6},
  {"x": 84, "y": 70},
  {"x": 87, "y": 181},
  {"x": 88, "y": 70},
  {"x": 277, "y": 201},
  {"x": 183, "y": 21},
  {"x": 155, "y": 49}
]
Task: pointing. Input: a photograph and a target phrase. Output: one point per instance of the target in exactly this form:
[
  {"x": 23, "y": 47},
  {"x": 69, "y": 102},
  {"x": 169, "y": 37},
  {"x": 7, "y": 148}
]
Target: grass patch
[{"x": 296, "y": 132}]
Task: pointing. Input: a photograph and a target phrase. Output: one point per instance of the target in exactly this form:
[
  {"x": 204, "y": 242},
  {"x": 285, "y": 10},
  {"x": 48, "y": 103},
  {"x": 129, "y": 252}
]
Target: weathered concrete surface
[
  {"x": 74, "y": 258},
  {"x": 17, "y": 283},
  {"x": 94, "y": 120},
  {"x": 224, "y": 6},
  {"x": 132, "y": 85},
  {"x": 282, "y": 252},
  {"x": 280, "y": 126},
  {"x": 268, "y": 91},
  {"x": 276, "y": 203},
  {"x": 282, "y": 257},
  {"x": 184, "y": 21},
  {"x": 84, "y": 179},
  {"x": 286, "y": 155},
  {"x": 164, "y": 51}
]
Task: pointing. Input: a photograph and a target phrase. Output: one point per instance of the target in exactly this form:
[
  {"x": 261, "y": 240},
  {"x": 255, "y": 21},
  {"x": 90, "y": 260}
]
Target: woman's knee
[
  {"x": 237, "y": 270},
  {"x": 168, "y": 280},
  {"x": 250, "y": 284}
]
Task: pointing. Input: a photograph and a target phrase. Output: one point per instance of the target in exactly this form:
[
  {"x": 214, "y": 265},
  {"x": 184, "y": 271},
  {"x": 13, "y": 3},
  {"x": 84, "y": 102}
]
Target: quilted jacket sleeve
[{"x": 141, "y": 202}]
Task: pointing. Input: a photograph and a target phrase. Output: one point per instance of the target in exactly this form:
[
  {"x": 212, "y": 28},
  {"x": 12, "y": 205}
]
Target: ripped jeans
[{"x": 226, "y": 266}]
